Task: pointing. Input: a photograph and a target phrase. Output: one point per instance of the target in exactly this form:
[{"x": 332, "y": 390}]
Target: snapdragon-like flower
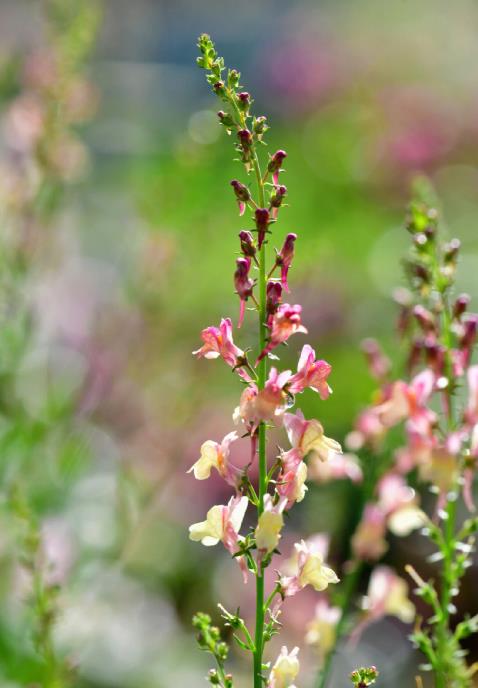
[
  {"x": 307, "y": 436},
  {"x": 291, "y": 480},
  {"x": 222, "y": 524},
  {"x": 408, "y": 401},
  {"x": 338, "y": 467},
  {"x": 284, "y": 259},
  {"x": 218, "y": 342},
  {"x": 214, "y": 455},
  {"x": 248, "y": 246},
  {"x": 285, "y": 322},
  {"x": 368, "y": 541},
  {"x": 311, "y": 570},
  {"x": 398, "y": 502},
  {"x": 321, "y": 631},
  {"x": 388, "y": 594},
  {"x": 269, "y": 526},
  {"x": 243, "y": 283},
  {"x": 274, "y": 297},
  {"x": 311, "y": 373},
  {"x": 285, "y": 669},
  {"x": 266, "y": 404}
]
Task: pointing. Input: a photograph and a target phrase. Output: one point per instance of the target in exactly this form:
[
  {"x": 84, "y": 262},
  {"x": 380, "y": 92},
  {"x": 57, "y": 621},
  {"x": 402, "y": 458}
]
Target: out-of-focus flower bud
[
  {"x": 460, "y": 305},
  {"x": 379, "y": 365},
  {"x": 414, "y": 354},
  {"x": 450, "y": 251},
  {"x": 424, "y": 318},
  {"x": 435, "y": 355}
]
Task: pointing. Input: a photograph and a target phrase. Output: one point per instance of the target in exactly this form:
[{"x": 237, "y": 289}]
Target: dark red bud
[
  {"x": 248, "y": 246},
  {"x": 424, "y": 318},
  {"x": 274, "y": 296},
  {"x": 460, "y": 305},
  {"x": 262, "y": 222},
  {"x": 245, "y": 137}
]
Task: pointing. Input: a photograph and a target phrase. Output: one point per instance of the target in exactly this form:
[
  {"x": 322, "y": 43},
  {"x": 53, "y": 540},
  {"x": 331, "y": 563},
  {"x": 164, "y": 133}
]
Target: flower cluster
[{"x": 268, "y": 396}]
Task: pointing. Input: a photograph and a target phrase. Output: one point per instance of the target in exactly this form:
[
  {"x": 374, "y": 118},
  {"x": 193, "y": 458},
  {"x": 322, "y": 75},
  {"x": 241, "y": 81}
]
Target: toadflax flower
[
  {"x": 321, "y": 631},
  {"x": 311, "y": 570},
  {"x": 269, "y": 526},
  {"x": 408, "y": 401},
  {"x": 308, "y": 436},
  {"x": 218, "y": 342},
  {"x": 388, "y": 594},
  {"x": 262, "y": 216},
  {"x": 285, "y": 669},
  {"x": 285, "y": 322},
  {"x": 214, "y": 455},
  {"x": 291, "y": 480},
  {"x": 274, "y": 166},
  {"x": 269, "y": 403},
  {"x": 311, "y": 373},
  {"x": 222, "y": 524}
]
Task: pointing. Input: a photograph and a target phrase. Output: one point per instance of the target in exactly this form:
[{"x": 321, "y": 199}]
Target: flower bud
[
  {"x": 248, "y": 246},
  {"x": 414, "y": 354},
  {"x": 284, "y": 258},
  {"x": 274, "y": 297},
  {"x": 243, "y": 101},
  {"x": 262, "y": 222},
  {"x": 243, "y": 283},
  {"x": 219, "y": 88},
  {"x": 435, "y": 355},
  {"x": 242, "y": 193},
  {"x": 424, "y": 318},
  {"x": 460, "y": 305},
  {"x": 378, "y": 363},
  {"x": 225, "y": 119},
  {"x": 233, "y": 78},
  {"x": 245, "y": 138},
  {"x": 450, "y": 250},
  {"x": 259, "y": 126},
  {"x": 276, "y": 199},
  {"x": 275, "y": 164}
]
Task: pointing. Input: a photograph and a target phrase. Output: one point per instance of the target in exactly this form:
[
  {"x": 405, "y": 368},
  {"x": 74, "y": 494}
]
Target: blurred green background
[{"x": 361, "y": 95}]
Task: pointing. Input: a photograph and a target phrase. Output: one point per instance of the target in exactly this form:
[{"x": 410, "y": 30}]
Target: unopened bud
[
  {"x": 243, "y": 101},
  {"x": 275, "y": 164},
  {"x": 450, "y": 250},
  {"x": 274, "y": 296},
  {"x": 219, "y": 88},
  {"x": 424, "y": 318},
  {"x": 262, "y": 216},
  {"x": 248, "y": 246},
  {"x": 225, "y": 118},
  {"x": 460, "y": 305}
]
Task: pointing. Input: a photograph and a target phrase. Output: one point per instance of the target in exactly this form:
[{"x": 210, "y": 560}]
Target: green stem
[{"x": 262, "y": 375}]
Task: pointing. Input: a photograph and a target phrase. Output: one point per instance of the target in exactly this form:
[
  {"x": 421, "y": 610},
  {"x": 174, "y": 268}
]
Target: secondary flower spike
[
  {"x": 242, "y": 193},
  {"x": 244, "y": 284},
  {"x": 284, "y": 259},
  {"x": 285, "y": 322}
]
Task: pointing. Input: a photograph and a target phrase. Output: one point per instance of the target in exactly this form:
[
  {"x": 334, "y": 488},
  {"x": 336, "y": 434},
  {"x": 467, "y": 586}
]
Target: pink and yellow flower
[
  {"x": 311, "y": 570},
  {"x": 311, "y": 373},
  {"x": 218, "y": 342},
  {"x": 307, "y": 436},
  {"x": 269, "y": 525},
  {"x": 285, "y": 322},
  {"x": 215, "y": 455},
  {"x": 285, "y": 669}
]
